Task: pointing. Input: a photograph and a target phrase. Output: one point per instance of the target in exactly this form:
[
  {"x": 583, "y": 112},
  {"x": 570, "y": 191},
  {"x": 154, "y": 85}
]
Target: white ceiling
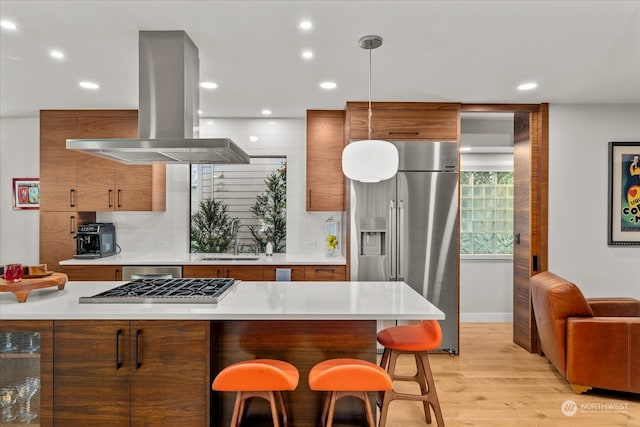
[{"x": 463, "y": 51}]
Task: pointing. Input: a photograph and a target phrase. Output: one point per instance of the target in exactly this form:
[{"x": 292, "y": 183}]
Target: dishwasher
[{"x": 133, "y": 272}]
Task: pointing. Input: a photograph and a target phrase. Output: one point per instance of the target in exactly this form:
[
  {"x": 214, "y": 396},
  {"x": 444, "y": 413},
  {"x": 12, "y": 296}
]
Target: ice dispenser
[{"x": 372, "y": 236}]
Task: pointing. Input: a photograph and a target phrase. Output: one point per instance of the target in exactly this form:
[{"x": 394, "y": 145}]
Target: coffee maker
[{"x": 95, "y": 240}]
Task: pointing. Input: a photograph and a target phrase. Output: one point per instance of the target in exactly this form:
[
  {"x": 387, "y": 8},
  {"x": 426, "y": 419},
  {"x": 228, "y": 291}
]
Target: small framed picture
[
  {"x": 624, "y": 194},
  {"x": 26, "y": 193}
]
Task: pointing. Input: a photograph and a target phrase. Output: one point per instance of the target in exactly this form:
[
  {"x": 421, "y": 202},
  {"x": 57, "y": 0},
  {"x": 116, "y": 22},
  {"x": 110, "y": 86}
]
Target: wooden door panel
[
  {"x": 324, "y": 273},
  {"x": 170, "y": 376},
  {"x": 239, "y": 272},
  {"x": 57, "y": 164},
  {"x": 89, "y": 387}
]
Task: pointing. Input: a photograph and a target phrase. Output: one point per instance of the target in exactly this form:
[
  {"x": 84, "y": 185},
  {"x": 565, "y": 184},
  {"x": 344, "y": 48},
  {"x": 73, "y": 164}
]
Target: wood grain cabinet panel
[
  {"x": 109, "y": 373},
  {"x": 57, "y": 236},
  {"x": 325, "y": 141},
  {"x": 239, "y": 272},
  {"x": 94, "y": 272},
  {"x": 328, "y": 273},
  {"x": 425, "y": 121}
]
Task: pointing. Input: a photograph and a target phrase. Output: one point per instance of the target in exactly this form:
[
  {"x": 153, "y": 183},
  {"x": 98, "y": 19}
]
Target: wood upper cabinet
[
  {"x": 325, "y": 141},
  {"x": 109, "y": 373},
  {"x": 58, "y": 176},
  {"x": 238, "y": 272},
  {"x": 73, "y": 181},
  {"x": 407, "y": 121}
]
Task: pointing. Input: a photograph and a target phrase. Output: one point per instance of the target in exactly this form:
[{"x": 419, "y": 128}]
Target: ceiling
[{"x": 460, "y": 51}]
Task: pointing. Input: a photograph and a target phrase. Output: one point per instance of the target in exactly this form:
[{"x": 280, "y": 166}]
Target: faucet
[{"x": 235, "y": 228}]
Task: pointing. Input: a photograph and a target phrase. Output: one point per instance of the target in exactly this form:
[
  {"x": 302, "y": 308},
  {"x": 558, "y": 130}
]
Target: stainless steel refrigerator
[{"x": 406, "y": 229}]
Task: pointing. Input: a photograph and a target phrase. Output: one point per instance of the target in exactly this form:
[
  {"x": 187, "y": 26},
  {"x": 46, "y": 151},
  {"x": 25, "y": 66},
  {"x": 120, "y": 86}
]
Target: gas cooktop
[{"x": 188, "y": 291}]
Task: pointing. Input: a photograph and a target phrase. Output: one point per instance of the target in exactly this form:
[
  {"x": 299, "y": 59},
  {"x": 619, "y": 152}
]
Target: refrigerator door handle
[
  {"x": 392, "y": 236},
  {"x": 400, "y": 240}
]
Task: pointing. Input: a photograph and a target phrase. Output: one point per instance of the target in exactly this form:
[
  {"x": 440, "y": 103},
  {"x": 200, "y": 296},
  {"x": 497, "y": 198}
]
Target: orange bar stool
[
  {"x": 416, "y": 340},
  {"x": 347, "y": 377},
  {"x": 263, "y": 378}
]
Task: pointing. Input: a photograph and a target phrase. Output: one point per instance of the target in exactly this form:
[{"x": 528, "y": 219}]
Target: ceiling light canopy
[{"x": 370, "y": 160}]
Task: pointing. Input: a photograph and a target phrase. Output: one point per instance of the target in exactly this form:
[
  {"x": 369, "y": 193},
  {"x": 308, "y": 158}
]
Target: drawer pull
[
  {"x": 403, "y": 133},
  {"x": 333, "y": 270},
  {"x": 110, "y": 198},
  {"x": 118, "y": 362},
  {"x": 118, "y": 198},
  {"x": 72, "y": 224},
  {"x": 72, "y": 193},
  {"x": 138, "y": 361}
]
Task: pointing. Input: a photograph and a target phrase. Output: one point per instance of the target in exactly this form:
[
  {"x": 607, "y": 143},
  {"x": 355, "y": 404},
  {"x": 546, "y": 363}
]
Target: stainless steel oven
[{"x": 133, "y": 272}]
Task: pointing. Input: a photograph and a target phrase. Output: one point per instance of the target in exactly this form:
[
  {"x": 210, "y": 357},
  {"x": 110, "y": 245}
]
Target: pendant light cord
[{"x": 369, "y": 117}]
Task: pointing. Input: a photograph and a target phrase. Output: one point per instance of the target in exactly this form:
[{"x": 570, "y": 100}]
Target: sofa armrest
[
  {"x": 604, "y": 352},
  {"x": 614, "y": 307}
]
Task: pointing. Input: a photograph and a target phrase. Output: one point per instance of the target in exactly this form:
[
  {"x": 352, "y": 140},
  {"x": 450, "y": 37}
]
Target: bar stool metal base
[{"x": 423, "y": 377}]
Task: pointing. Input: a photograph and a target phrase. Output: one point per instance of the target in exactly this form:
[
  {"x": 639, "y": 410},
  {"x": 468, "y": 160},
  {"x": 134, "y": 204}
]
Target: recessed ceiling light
[
  {"x": 57, "y": 54},
  {"x": 305, "y": 25},
  {"x": 89, "y": 85},
  {"x": 200, "y": 112},
  {"x": 266, "y": 112},
  {"x": 253, "y": 138},
  {"x": 465, "y": 148},
  {"x": 8, "y": 25},
  {"x": 307, "y": 54},
  {"x": 528, "y": 86},
  {"x": 328, "y": 85},
  {"x": 209, "y": 85}
]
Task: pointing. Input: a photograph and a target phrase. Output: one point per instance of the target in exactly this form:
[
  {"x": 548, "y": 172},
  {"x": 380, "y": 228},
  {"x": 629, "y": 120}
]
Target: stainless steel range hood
[{"x": 168, "y": 110}]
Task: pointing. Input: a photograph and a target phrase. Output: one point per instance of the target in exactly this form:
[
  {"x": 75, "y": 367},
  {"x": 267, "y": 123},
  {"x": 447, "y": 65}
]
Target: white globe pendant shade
[{"x": 370, "y": 160}]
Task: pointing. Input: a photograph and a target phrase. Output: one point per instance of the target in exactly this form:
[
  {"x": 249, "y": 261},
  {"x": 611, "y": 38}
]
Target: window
[{"x": 486, "y": 212}]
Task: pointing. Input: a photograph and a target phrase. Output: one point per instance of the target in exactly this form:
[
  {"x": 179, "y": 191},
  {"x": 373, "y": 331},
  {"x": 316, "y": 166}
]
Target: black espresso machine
[{"x": 95, "y": 240}]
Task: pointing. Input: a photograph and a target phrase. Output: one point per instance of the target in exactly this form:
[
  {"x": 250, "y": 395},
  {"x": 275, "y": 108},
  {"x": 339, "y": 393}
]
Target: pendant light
[{"x": 370, "y": 160}]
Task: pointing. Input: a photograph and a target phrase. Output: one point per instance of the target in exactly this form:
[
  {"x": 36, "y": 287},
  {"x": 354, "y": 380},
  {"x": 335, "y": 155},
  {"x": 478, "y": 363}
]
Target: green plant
[
  {"x": 271, "y": 210},
  {"x": 212, "y": 229}
]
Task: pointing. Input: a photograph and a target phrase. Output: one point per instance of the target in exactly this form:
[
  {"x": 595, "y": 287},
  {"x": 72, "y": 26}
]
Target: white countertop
[
  {"x": 246, "y": 301},
  {"x": 160, "y": 258}
]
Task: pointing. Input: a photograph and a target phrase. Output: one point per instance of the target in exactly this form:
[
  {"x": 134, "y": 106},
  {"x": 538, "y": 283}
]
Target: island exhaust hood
[{"x": 168, "y": 122}]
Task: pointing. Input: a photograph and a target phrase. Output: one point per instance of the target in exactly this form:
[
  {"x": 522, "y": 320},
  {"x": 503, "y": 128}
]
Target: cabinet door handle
[
  {"x": 310, "y": 199},
  {"x": 110, "y": 198},
  {"x": 333, "y": 270},
  {"x": 116, "y": 274},
  {"x": 72, "y": 224},
  {"x": 228, "y": 275},
  {"x": 218, "y": 273},
  {"x": 118, "y": 198},
  {"x": 72, "y": 194},
  {"x": 118, "y": 362},
  {"x": 138, "y": 361},
  {"x": 403, "y": 133}
]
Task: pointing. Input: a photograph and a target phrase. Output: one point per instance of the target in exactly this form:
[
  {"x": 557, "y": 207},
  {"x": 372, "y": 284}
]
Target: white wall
[
  {"x": 19, "y": 158},
  {"x": 578, "y": 180}
]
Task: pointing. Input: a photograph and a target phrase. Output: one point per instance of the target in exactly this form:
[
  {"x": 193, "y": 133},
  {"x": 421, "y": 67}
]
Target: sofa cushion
[{"x": 554, "y": 299}]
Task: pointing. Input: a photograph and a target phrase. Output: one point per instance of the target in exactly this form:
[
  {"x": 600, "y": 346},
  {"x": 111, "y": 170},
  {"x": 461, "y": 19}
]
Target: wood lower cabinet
[
  {"x": 239, "y": 272},
  {"x": 96, "y": 272},
  {"x": 325, "y": 273},
  {"x": 110, "y": 373},
  {"x": 428, "y": 121},
  {"x": 325, "y": 141}
]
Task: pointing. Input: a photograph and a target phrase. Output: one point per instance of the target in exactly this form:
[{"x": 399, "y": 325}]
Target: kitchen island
[{"x": 301, "y": 322}]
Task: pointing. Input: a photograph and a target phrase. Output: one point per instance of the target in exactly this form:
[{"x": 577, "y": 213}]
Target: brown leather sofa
[{"x": 592, "y": 342}]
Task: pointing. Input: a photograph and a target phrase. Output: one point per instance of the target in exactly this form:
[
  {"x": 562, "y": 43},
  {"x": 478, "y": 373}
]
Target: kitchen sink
[{"x": 230, "y": 258}]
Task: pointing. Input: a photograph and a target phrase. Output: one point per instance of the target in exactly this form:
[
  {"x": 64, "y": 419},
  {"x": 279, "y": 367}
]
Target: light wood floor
[{"x": 494, "y": 382}]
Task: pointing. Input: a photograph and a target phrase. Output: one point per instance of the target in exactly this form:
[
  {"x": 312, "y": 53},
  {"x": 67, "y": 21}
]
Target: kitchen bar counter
[
  {"x": 245, "y": 301},
  {"x": 156, "y": 258}
]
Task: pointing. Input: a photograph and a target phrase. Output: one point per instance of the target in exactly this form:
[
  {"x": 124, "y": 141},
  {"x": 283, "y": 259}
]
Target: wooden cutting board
[{"x": 22, "y": 288}]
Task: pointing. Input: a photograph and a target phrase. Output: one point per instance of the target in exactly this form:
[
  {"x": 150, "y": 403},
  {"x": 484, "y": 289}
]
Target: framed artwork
[
  {"x": 26, "y": 193},
  {"x": 624, "y": 194}
]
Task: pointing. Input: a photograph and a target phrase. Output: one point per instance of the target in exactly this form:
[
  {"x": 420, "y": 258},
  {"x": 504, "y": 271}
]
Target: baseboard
[{"x": 486, "y": 317}]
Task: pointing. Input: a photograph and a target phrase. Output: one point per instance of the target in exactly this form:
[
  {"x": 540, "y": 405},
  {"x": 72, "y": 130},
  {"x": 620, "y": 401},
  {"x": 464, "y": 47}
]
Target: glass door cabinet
[{"x": 26, "y": 373}]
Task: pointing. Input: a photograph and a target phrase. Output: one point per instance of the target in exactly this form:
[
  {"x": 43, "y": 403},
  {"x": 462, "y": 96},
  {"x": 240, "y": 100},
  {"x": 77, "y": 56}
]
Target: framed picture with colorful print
[
  {"x": 624, "y": 194},
  {"x": 26, "y": 193}
]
